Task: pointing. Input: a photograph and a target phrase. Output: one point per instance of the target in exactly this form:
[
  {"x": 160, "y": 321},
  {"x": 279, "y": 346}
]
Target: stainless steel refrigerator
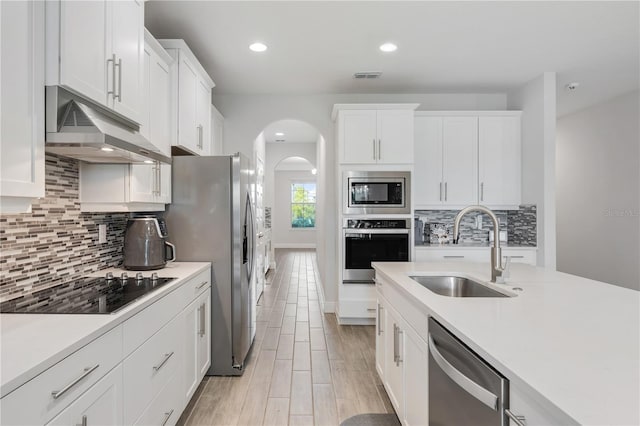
[{"x": 211, "y": 218}]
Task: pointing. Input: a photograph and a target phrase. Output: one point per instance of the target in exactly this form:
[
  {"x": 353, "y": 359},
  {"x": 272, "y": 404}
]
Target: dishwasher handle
[{"x": 474, "y": 389}]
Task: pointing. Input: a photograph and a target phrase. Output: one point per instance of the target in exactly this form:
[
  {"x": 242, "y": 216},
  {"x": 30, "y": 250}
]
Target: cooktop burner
[{"x": 86, "y": 295}]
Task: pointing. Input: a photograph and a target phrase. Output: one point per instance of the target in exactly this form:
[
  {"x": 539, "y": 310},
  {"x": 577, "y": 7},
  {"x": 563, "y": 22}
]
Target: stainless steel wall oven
[
  {"x": 377, "y": 193},
  {"x": 372, "y": 240}
]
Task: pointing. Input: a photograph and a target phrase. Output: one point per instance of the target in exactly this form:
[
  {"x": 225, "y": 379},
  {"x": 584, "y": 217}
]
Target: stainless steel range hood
[{"x": 80, "y": 129}]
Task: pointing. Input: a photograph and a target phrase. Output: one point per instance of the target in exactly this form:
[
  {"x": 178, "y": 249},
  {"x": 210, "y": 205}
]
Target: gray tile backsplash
[
  {"x": 56, "y": 243},
  {"x": 520, "y": 225}
]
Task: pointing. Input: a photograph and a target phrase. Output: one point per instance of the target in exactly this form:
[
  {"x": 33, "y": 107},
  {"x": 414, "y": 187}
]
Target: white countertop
[
  {"x": 572, "y": 341},
  {"x": 31, "y": 343}
]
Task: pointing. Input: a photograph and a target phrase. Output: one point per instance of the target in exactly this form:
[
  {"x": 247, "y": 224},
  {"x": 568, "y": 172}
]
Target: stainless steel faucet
[{"x": 496, "y": 252}]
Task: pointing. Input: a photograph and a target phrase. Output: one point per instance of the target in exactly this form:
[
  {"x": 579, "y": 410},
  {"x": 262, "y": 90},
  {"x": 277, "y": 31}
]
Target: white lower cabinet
[
  {"x": 100, "y": 405},
  {"x": 144, "y": 371},
  {"x": 196, "y": 320},
  {"x": 517, "y": 255},
  {"x": 405, "y": 374},
  {"x": 380, "y": 336}
]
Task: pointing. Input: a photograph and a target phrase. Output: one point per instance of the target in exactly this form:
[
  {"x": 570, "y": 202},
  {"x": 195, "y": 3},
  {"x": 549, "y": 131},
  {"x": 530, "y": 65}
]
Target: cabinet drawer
[
  {"x": 100, "y": 405},
  {"x": 452, "y": 254},
  {"x": 149, "y": 368},
  {"x": 34, "y": 402},
  {"x": 166, "y": 407},
  {"x": 520, "y": 256},
  {"x": 358, "y": 308},
  {"x": 196, "y": 286}
]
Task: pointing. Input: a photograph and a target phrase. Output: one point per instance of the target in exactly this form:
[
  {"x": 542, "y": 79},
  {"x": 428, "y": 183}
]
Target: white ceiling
[
  {"x": 295, "y": 131},
  {"x": 443, "y": 47}
]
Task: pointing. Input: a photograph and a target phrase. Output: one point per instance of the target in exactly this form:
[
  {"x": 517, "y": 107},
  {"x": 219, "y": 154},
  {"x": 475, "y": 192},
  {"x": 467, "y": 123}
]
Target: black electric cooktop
[{"x": 103, "y": 295}]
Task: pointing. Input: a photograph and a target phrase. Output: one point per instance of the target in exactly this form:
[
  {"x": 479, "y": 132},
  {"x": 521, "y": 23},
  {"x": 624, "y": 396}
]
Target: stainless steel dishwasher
[{"x": 463, "y": 388}]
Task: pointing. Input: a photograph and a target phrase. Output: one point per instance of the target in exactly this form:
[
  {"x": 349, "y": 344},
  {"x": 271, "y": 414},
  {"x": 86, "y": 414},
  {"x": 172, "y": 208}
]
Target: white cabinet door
[
  {"x": 21, "y": 104},
  {"x": 358, "y": 137},
  {"x": 160, "y": 104},
  {"x": 127, "y": 33},
  {"x": 499, "y": 162},
  {"x": 85, "y": 48},
  {"x": 393, "y": 371},
  {"x": 143, "y": 183},
  {"x": 204, "y": 335},
  {"x": 427, "y": 176},
  {"x": 187, "y": 100},
  {"x": 460, "y": 160},
  {"x": 164, "y": 191},
  {"x": 197, "y": 342},
  {"x": 146, "y": 105},
  {"x": 415, "y": 357},
  {"x": 380, "y": 338},
  {"x": 100, "y": 405},
  {"x": 203, "y": 122},
  {"x": 395, "y": 137}
]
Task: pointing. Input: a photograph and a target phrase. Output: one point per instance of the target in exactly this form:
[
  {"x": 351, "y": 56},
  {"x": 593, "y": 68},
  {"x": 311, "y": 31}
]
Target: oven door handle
[{"x": 353, "y": 232}]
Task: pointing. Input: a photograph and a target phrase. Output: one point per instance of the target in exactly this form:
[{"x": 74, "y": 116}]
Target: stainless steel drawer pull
[
  {"x": 84, "y": 421},
  {"x": 453, "y": 257},
  {"x": 446, "y": 191},
  {"x": 440, "y": 192},
  {"x": 374, "y": 149},
  {"x": 167, "y": 416},
  {"x": 482, "y": 191},
  {"x": 371, "y": 309},
  {"x": 202, "y": 284},
  {"x": 514, "y": 257},
  {"x": 518, "y": 420},
  {"x": 163, "y": 362},
  {"x": 379, "y": 323},
  {"x": 87, "y": 371},
  {"x": 119, "y": 65}
]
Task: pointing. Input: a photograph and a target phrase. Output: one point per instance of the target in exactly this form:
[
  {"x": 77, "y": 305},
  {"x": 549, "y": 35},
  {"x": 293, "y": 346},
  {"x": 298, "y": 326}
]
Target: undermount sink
[{"x": 456, "y": 286}]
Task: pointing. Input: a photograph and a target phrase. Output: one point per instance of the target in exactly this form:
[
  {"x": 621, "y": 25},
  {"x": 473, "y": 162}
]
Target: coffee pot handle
[{"x": 172, "y": 249}]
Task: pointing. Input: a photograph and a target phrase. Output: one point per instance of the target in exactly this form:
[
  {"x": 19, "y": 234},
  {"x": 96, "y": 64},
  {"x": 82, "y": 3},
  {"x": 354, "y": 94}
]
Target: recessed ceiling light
[
  {"x": 279, "y": 134},
  {"x": 314, "y": 171},
  {"x": 258, "y": 47},
  {"x": 148, "y": 161},
  {"x": 106, "y": 149},
  {"x": 388, "y": 47}
]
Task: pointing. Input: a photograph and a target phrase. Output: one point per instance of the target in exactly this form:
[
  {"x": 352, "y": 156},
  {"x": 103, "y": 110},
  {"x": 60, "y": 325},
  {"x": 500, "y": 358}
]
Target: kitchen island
[{"x": 570, "y": 346}]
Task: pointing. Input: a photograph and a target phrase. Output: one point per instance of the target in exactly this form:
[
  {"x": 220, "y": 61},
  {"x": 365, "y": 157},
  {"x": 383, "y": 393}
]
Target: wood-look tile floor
[{"x": 303, "y": 369}]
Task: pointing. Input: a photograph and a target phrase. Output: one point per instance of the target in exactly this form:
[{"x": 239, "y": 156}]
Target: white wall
[
  {"x": 275, "y": 153},
  {"x": 282, "y": 234},
  {"x": 537, "y": 100},
  {"x": 598, "y": 196},
  {"x": 246, "y": 116}
]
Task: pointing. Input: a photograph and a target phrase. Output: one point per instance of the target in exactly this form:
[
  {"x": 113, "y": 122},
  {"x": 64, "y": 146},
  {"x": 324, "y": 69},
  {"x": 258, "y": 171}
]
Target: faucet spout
[{"x": 496, "y": 253}]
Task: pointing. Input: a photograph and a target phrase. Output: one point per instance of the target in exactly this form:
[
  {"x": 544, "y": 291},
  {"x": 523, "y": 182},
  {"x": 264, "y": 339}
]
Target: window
[{"x": 303, "y": 205}]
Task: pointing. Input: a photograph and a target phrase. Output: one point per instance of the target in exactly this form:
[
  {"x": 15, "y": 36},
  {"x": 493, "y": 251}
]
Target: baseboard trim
[{"x": 294, "y": 245}]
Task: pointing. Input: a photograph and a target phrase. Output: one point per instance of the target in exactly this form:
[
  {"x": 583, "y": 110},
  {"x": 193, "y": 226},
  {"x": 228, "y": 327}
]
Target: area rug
[{"x": 372, "y": 420}]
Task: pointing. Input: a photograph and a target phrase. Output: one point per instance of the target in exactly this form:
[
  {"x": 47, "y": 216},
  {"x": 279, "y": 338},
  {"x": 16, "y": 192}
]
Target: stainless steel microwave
[{"x": 377, "y": 193}]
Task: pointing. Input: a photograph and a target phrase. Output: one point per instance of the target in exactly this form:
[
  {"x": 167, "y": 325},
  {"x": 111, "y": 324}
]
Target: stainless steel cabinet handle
[
  {"x": 440, "y": 192},
  {"x": 202, "y": 284},
  {"x": 446, "y": 191},
  {"x": 379, "y": 149},
  {"x": 83, "y": 422},
  {"x": 167, "y": 415},
  {"x": 395, "y": 343},
  {"x": 400, "y": 354},
  {"x": 202, "y": 322},
  {"x": 374, "y": 149},
  {"x": 119, "y": 65},
  {"x": 163, "y": 362},
  {"x": 453, "y": 257},
  {"x": 112, "y": 92},
  {"x": 474, "y": 389},
  {"x": 518, "y": 420},
  {"x": 482, "y": 191},
  {"x": 87, "y": 371},
  {"x": 379, "y": 323}
]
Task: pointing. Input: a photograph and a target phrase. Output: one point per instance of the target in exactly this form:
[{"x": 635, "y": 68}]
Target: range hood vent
[{"x": 79, "y": 129}]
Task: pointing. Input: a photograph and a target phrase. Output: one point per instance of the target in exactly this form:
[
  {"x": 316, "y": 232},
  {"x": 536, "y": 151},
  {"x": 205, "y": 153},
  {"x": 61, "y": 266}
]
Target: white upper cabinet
[
  {"x": 21, "y": 104},
  {"x": 96, "y": 49},
  {"x": 500, "y": 164},
  {"x": 191, "y": 94},
  {"x": 375, "y": 134},
  {"x": 138, "y": 187},
  {"x": 459, "y": 160},
  {"x": 465, "y": 158}
]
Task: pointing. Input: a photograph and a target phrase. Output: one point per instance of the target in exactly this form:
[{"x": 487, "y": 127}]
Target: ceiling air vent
[{"x": 367, "y": 75}]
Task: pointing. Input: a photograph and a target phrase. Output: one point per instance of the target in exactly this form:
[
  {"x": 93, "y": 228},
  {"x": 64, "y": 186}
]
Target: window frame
[{"x": 315, "y": 204}]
